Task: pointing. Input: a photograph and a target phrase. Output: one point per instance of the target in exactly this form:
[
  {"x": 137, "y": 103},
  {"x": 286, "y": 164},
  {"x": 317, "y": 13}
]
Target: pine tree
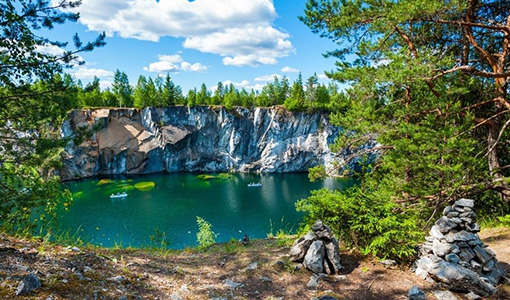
[
  {"x": 122, "y": 89},
  {"x": 27, "y": 160}
]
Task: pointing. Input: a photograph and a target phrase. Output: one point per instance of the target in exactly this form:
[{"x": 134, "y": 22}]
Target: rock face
[
  {"x": 318, "y": 250},
  {"x": 455, "y": 256},
  {"x": 198, "y": 139}
]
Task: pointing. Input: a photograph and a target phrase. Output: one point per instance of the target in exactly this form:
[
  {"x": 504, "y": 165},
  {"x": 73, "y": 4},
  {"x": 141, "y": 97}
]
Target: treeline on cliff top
[
  {"x": 430, "y": 83},
  {"x": 162, "y": 91}
]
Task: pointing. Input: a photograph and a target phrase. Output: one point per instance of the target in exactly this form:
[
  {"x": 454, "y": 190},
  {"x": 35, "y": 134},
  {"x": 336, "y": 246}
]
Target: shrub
[
  {"x": 369, "y": 221},
  {"x": 205, "y": 235}
]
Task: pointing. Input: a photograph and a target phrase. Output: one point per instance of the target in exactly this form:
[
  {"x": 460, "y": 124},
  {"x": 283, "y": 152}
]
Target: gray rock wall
[{"x": 198, "y": 139}]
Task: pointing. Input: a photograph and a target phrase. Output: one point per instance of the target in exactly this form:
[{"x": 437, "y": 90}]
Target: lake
[{"x": 170, "y": 203}]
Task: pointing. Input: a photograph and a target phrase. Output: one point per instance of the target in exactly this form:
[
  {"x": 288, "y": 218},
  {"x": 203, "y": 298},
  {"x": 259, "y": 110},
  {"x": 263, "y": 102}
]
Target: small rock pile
[
  {"x": 454, "y": 255},
  {"x": 318, "y": 250}
]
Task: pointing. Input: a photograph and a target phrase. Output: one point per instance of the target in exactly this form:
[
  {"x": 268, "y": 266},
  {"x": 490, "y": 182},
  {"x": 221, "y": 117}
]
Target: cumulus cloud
[
  {"x": 174, "y": 63},
  {"x": 322, "y": 77},
  {"x": 89, "y": 73},
  {"x": 240, "y": 85},
  {"x": 240, "y": 31},
  {"x": 288, "y": 69},
  {"x": 57, "y": 51},
  {"x": 267, "y": 78},
  {"x": 105, "y": 84}
]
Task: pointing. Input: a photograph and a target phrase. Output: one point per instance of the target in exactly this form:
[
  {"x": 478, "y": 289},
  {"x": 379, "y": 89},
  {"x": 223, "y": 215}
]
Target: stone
[
  {"x": 458, "y": 208},
  {"x": 389, "y": 262},
  {"x": 464, "y": 236},
  {"x": 461, "y": 279},
  {"x": 472, "y": 296},
  {"x": 441, "y": 249},
  {"x": 75, "y": 249},
  {"x": 445, "y": 225},
  {"x": 313, "y": 283},
  {"x": 495, "y": 276},
  {"x": 322, "y": 231},
  {"x": 465, "y": 202},
  {"x": 467, "y": 214},
  {"x": 436, "y": 233},
  {"x": 476, "y": 241},
  {"x": 466, "y": 254},
  {"x": 448, "y": 209},
  {"x": 301, "y": 245},
  {"x": 473, "y": 227},
  {"x": 481, "y": 254},
  {"x": 475, "y": 265},
  {"x": 489, "y": 266},
  {"x": 452, "y": 214},
  {"x": 445, "y": 295},
  {"x": 314, "y": 257},
  {"x": 265, "y": 279},
  {"x": 466, "y": 220},
  {"x": 252, "y": 267},
  {"x": 415, "y": 293},
  {"x": 232, "y": 284},
  {"x": 333, "y": 256},
  {"x": 29, "y": 283},
  {"x": 453, "y": 258}
]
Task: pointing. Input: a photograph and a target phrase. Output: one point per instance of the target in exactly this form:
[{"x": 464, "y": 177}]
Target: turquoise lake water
[{"x": 175, "y": 200}]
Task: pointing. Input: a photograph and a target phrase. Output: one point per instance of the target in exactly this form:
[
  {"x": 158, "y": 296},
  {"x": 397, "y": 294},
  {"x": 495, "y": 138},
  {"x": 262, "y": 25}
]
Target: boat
[
  {"x": 118, "y": 195},
  {"x": 254, "y": 184}
]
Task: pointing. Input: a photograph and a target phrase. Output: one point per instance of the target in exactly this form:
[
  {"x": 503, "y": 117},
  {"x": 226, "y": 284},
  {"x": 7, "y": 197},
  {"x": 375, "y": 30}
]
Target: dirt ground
[{"x": 98, "y": 273}]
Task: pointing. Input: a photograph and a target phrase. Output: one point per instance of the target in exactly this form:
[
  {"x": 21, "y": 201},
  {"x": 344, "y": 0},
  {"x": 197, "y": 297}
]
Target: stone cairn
[
  {"x": 318, "y": 250},
  {"x": 454, "y": 255}
]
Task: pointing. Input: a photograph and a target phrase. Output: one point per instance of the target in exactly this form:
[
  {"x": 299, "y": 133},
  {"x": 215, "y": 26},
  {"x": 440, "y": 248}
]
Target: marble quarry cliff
[{"x": 197, "y": 139}]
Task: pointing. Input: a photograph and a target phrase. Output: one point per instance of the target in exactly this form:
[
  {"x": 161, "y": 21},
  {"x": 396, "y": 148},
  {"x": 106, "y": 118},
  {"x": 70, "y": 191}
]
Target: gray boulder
[
  {"x": 458, "y": 278},
  {"x": 415, "y": 293},
  {"x": 333, "y": 256},
  {"x": 314, "y": 258},
  {"x": 298, "y": 250},
  {"x": 465, "y": 202},
  {"x": 28, "y": 284}
]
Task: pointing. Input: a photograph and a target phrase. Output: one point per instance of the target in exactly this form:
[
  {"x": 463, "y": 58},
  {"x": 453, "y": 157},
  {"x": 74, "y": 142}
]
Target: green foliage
[
  {"x": 316, "y": 173},
  {"x": 205, "y": 235},
  {"x": 35, "y": 96},
  {"x": 366, "y": 219},
  {"x": 505, "y": 220}
]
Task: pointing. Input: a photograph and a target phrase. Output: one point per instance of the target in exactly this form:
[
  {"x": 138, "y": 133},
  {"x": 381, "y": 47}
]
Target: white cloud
[
  {"x": 56, "y": 51},
  {"x": 105, "y": 84},
  {"x": 267, "y": 78},
  {"x": 240, "y": 31},
  {"x": 322, "y": 77},
  {"x": 288, "y": 69},
  {"x": 245, "y": 46},
  {"x": 174, "y": 63},
  {"x": 89, "y": 73},
  {"x": 240, "y": 85}
]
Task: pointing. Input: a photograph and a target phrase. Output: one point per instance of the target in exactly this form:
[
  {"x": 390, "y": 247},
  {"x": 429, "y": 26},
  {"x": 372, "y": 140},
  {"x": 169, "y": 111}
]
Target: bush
[
  {"x": 205, "y": 235},
  {"x": 369, "y": 221}
]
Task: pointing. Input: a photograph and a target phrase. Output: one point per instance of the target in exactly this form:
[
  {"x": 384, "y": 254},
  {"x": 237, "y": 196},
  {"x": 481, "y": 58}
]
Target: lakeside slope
[{"x": 100, "y": 273}]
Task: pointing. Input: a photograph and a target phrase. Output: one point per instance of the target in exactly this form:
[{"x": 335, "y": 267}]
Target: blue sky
[{"x": 244, "y": 42}]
